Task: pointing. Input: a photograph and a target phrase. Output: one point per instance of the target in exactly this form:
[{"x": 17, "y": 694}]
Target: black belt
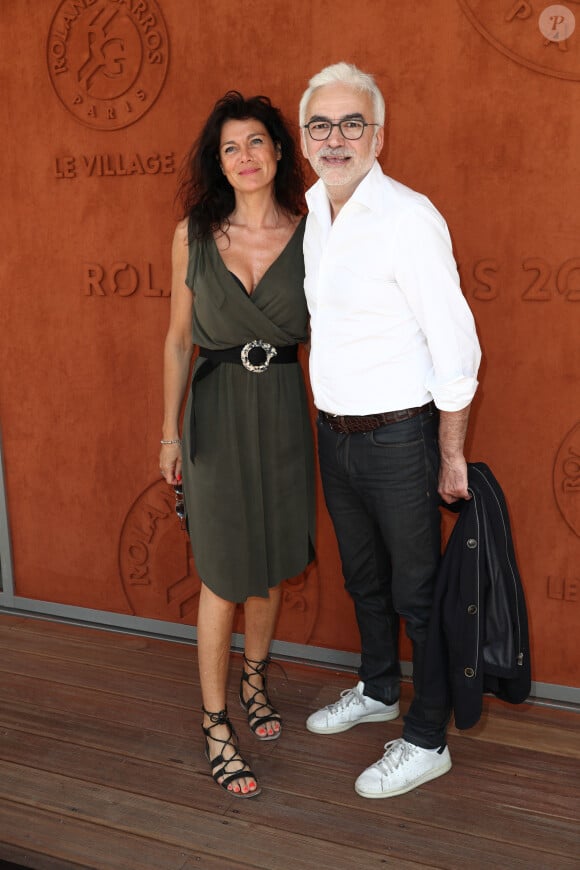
[
  {"x": 256, "y": 356},
  {"x": 347, "y": 424}
]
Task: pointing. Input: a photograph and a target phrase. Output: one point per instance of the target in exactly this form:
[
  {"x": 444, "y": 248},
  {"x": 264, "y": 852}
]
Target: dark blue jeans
[{"x": 380, "y": 488}]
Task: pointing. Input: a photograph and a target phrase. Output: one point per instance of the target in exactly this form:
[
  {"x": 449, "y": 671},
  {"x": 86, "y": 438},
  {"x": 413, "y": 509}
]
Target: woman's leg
[
  {"x": 260, "y": 620},
  {"x": 214, "y": 633}
]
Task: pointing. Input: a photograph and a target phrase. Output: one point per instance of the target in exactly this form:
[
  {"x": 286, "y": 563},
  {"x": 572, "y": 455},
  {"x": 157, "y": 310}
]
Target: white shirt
[{"x": 390, "y": 328}]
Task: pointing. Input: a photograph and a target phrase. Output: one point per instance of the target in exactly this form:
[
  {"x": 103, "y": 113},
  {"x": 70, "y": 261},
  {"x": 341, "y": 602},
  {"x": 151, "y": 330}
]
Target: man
[{"x": 393, "y": 365}]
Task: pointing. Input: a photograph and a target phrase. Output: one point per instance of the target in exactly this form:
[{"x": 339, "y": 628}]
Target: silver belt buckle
[{"x": 245, "y": 355}]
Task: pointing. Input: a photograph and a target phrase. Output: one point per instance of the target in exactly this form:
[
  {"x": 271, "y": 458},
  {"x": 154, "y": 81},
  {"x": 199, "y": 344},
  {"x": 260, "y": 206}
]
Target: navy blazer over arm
[{"x": 478, "y": 633}]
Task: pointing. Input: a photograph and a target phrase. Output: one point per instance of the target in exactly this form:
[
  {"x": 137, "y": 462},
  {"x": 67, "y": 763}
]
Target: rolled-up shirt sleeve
[{"x": 426, "y": 272}]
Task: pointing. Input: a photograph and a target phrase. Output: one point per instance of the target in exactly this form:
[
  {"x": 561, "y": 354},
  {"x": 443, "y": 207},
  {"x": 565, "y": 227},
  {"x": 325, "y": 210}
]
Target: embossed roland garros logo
[
  {"x": 155, "y": 561},
  {"x": 160, "y": 580},
  {"x": 567, "y": 479},
  {"x": 530, "y": 33},
  {"x": 108, "y": 59}
]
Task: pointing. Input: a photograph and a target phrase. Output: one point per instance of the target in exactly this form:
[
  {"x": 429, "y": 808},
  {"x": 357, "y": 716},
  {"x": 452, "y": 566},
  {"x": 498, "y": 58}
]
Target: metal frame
[{"x": 6, "y": 576}]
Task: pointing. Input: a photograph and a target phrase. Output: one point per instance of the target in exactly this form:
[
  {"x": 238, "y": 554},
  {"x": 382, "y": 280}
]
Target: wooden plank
[
  {"x": 159, "y": 717},
  {"x": 46, "y": 632},
  {"x": 445, "y": 809},
  {"x": 362, "y": 745},
  {"x": 478, "y": 772},
  {"x": 14, "y": 857},
  {"x": 135, "y": 741},
  {"x": 255, "y": 843},
  {"x": 502, "y": 763},
  {"x": 313, "y": 749},
  {"x": 317, "y": 685},
  {"x": 97, "y": 637},
  {"x": 118, "y": 672},
  {"x": 512, "y": 774},
  {"x": 142, "y": 656},
  {"x": 45, "y": 841},
  {"x": 142, "y": 683},
  {"x": 111, "y": 708},
  {"x": 77, "y": 689},
  {"x": 94, "y": 676},
  {"x": 526, "y": 733},
  {"x": 122, "y": 720},
  {"x": 501, "y": 722},
  {"x": 131, "y": 656},
  {"x": 530, "y": 729}
]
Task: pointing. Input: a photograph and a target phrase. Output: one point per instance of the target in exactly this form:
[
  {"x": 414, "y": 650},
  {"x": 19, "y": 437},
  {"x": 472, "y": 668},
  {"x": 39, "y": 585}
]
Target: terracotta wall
[{"x": 100, "y": 99}]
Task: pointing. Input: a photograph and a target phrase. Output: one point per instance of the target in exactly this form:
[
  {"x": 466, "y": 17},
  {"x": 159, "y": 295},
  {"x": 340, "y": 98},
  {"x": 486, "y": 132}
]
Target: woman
[{"x": 246, "y": 459}]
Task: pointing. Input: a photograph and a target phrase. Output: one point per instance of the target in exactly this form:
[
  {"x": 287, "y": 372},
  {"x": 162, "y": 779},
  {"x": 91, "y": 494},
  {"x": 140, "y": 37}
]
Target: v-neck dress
[{"x": 249, "y": 493}]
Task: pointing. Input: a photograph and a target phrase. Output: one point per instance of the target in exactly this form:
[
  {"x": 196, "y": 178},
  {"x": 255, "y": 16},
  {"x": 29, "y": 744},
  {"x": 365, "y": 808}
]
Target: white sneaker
[
  {"x": 352, "y": 708},
  {"x": 402, "y": 768}
]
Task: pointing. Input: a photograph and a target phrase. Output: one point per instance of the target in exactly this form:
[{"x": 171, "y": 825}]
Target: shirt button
[
  {"x": 471, "y": 543},
  {"x": 472, "y": 609},
  {"x": 469, "y": 672}
]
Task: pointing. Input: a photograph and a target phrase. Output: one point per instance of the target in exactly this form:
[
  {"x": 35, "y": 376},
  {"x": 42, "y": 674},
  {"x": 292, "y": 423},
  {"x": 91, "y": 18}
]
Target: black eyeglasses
[
  {"x": 350, "y": 128},
  {"x": 179, "y": 503}
]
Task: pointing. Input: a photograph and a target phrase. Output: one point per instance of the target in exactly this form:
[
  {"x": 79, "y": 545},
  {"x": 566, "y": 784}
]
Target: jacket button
[
  {"x": 471, "y": 543},
  {"x": 472, "y": 609},
  {"x": 469, "y": 672}
]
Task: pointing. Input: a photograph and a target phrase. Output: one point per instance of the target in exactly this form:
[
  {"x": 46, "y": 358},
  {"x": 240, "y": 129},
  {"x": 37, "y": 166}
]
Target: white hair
[{"x": 345, "y": 74}]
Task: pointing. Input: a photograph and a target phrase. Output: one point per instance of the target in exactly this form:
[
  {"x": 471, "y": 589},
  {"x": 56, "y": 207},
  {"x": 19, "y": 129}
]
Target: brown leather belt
[{"x": 347, "y": 424}]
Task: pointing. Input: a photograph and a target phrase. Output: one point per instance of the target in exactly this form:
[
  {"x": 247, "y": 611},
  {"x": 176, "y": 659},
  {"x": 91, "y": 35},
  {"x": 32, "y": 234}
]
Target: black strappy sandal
[
  {"x": 256, "y": 717},
  {"x": 219, "y": 765}
]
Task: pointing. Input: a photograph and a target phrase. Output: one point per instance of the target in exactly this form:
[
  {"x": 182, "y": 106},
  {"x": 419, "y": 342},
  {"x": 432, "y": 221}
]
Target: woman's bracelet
[{"x": 171, "y": 441}]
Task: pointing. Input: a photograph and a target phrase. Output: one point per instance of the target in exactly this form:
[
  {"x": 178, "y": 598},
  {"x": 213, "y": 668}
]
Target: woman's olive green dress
[{"x": 249, "y": 493}]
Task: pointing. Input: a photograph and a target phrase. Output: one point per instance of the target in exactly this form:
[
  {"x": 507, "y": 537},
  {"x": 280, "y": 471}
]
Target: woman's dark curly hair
[{"x": 205, "y": 193}]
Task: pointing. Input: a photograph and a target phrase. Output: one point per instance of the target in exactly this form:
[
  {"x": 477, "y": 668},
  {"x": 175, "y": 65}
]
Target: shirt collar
[{"x": 368, "y": 194}]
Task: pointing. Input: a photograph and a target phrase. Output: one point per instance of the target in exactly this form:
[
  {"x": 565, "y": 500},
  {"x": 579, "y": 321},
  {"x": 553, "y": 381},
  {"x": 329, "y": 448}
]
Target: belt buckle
[{"x": 263, "y": 345}]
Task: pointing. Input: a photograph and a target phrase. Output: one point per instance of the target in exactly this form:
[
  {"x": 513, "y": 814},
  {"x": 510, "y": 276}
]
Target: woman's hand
[{"x": 170, "y": 463}]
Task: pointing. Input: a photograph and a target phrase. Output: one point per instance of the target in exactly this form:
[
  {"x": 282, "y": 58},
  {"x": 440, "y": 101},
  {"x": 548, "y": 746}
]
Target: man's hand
[
  {"x": 453, "y": 467},
  {"x": 453, "y": 480}
]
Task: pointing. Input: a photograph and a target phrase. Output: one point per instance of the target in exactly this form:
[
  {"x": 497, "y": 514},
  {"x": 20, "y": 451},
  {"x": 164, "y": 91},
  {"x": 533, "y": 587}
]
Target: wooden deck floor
[{"x": 101, "y": 766}]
